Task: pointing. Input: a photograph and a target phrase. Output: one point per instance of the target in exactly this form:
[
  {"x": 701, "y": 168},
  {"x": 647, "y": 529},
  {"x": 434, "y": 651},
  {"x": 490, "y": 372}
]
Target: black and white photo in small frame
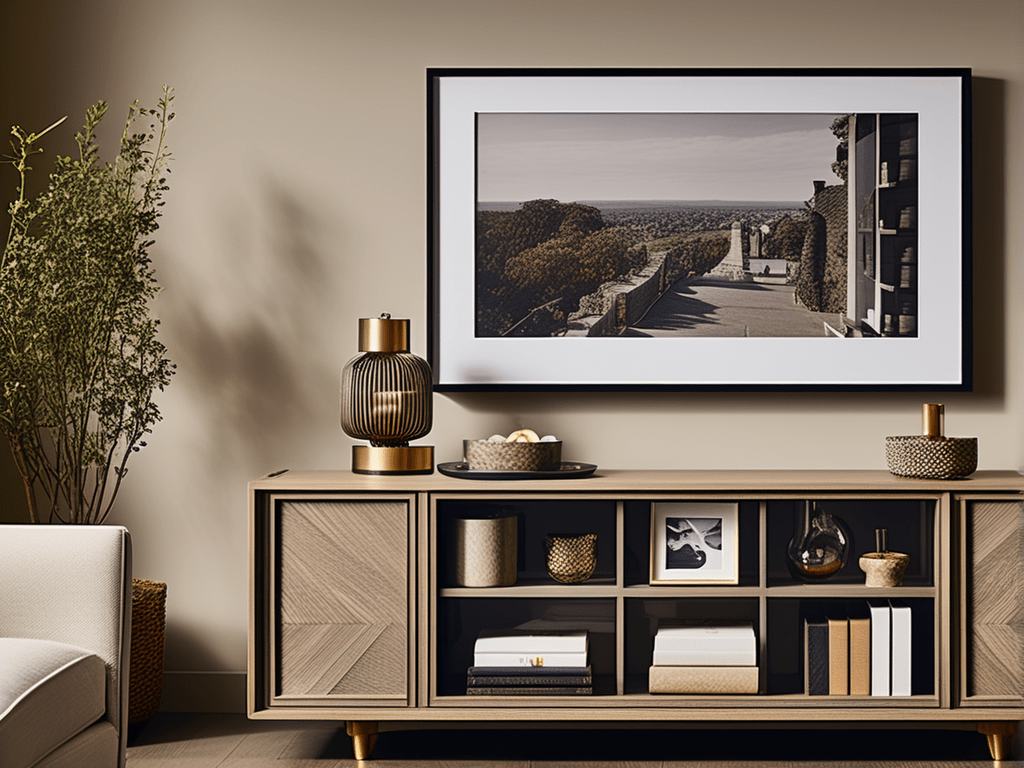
[{"x": 695, "y": 543}]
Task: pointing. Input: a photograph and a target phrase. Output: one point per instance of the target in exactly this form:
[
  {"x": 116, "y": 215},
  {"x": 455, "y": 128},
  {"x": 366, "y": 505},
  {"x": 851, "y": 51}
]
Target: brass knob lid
[{"x": 383, "y": 334}]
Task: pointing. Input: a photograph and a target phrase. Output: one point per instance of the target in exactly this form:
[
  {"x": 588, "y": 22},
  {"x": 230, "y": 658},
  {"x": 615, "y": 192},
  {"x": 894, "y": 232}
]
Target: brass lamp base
[{"x": 393, "y": 460}]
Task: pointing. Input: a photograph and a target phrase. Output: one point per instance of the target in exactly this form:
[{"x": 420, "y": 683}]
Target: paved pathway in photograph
[{"x": 713, "y": 307}]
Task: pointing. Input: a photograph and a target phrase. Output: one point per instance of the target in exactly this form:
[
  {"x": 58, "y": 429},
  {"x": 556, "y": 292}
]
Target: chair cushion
[{"x": 49, "y": 692}]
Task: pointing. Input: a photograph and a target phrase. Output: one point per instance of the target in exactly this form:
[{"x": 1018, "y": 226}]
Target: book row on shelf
[{"x": 863, "y": 652}]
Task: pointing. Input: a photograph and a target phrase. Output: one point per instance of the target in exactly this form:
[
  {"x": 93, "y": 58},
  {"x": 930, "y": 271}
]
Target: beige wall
[{"x": 297, "y": 206}]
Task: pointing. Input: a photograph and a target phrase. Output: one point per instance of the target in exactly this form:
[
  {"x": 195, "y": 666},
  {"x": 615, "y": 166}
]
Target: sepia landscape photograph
[{"x": 664, "y": 224}]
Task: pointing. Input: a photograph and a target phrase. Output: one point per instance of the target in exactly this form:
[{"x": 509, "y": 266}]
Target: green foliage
[
  {"x": 545, "y": 251},
  {"x": 698, "y": 253},
  {"x": 504, "y": 235},
  {"x": 786, "y": 240},
  {"x": 841, "y": 130},
  {"x": 810, "y": 276},
  {"x": 570, "y": 267},
  {"x": 79, "y": 356}
]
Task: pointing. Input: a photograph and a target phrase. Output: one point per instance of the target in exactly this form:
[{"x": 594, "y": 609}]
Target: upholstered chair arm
[{"x": 72, "y": 584}]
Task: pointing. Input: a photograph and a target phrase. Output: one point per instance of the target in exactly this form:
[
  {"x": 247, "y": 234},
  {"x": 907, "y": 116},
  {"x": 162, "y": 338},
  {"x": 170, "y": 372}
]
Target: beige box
[{"x": 702, "y": 680}]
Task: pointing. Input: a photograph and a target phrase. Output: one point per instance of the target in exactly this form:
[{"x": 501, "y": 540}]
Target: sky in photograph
[{"x": 571, "y": 157}]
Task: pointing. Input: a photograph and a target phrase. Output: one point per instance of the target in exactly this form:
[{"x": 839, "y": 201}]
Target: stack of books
[
  {"x": 704, "y": 659},
  {"x": 865, "y": 651},
  {"x": 517, "y": 662}
]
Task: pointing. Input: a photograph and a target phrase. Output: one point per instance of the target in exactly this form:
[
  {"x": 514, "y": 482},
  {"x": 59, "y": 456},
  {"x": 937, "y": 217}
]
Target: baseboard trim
[{"x": 203, "y": 692}]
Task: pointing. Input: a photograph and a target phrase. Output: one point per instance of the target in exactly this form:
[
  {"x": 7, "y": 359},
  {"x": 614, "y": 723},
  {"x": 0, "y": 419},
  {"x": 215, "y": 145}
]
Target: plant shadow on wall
[
  {"x": 255, "y": 375},
  {"x": 80, "y": 361}
]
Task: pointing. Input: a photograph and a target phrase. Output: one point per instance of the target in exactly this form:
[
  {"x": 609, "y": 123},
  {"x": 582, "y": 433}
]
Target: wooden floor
[{"x": 208, "y": 741}]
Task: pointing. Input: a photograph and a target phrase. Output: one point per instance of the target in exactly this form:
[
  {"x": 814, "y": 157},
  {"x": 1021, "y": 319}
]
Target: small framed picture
[{"x": 695, "y": 543}]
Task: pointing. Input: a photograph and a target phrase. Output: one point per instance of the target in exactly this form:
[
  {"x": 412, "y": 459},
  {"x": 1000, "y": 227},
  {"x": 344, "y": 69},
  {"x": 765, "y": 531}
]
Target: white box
[{"x": 706, "y": 646}]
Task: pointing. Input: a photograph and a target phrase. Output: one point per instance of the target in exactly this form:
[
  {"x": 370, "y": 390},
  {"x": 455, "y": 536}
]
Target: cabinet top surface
[{"x": 630, "y": 480}]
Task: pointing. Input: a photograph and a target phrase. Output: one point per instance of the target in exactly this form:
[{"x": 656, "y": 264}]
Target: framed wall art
[
  {"x": 699, "y": 229},
  {"x": 695, "y": 543}
]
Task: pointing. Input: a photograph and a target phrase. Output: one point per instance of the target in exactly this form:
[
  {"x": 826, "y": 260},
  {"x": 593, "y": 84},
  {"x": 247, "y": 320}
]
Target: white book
[
  {"x": 900, "y": 655},
  {"x": 705, "y": 645},
  {"x": 535, "y": 641},
  {"x": 881, "y": 643},
  {"x": 555, "y": 659}
]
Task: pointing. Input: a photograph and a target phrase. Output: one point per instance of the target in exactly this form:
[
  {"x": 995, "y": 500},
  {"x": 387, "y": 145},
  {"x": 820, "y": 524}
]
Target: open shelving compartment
[{"x": 621, "y": 608}]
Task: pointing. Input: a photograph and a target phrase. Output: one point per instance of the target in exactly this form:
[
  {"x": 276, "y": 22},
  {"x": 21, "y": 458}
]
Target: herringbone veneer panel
[
  {"x": 995, "y": 572},
  {"x": 342, "y": 598}
]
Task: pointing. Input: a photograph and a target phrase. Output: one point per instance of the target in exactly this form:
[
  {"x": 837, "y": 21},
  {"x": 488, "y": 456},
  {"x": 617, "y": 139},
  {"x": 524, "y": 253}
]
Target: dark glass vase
[{"x": 820, "y": 547}]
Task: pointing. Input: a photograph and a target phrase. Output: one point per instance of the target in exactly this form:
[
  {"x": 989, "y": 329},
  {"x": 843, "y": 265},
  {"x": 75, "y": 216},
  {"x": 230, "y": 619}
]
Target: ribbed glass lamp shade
[{"x": 386, "y": 398}]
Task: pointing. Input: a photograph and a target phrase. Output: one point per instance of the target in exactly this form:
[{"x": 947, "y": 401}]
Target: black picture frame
[{"x": 910, "y": 328}]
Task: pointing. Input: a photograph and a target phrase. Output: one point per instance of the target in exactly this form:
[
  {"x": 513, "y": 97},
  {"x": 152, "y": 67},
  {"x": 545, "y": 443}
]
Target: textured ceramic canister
[{"x": 486, "y": 551}]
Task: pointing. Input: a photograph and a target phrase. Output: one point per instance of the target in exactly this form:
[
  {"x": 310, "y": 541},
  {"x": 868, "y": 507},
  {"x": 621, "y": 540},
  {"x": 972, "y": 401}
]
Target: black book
[
  {"x": 530, "y": 690},
  {"x": 816, "y": 657},
  {"x": 548, "y": 677}
]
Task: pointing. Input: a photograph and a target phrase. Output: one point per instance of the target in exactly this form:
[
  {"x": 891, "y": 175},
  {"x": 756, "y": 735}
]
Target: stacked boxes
[{"x": 720, "y": 659}]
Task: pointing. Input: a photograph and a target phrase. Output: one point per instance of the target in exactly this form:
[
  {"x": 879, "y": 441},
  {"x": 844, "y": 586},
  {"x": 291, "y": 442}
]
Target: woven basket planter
[{"x": 146, "y": 676}]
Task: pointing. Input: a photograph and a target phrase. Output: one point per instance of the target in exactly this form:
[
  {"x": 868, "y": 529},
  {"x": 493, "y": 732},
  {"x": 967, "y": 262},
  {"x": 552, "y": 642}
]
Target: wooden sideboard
[{"x": 353, "y": 616}]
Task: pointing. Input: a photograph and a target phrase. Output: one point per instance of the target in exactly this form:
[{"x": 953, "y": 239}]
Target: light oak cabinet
[
  {"x": 992, "y": 632},
  {"x": 354, "y": 615},
  {"x": 337, "y": 627}
]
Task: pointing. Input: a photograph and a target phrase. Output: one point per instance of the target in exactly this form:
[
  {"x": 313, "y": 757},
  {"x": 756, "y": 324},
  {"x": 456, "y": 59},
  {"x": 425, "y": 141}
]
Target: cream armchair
[{"x": 65, "y": 625}]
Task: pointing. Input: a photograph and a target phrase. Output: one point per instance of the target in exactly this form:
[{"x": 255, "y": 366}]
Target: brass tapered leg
[
  {"x": 1000, "y": 738},
  {"x": 364, "y": 736}
]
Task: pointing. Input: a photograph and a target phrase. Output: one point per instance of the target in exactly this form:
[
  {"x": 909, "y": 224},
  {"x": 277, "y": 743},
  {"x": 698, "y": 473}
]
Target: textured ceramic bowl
[
  {"x": 512, "y": 457},
  {"x": 940, "y": 458},
  {"x": 884, "y": 569}
]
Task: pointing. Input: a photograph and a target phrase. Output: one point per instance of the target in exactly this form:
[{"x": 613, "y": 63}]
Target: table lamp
[{"x": 386, "y": 398}]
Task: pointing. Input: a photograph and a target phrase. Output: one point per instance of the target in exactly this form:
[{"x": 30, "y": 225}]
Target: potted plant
[{"x": 80, "y": 360}]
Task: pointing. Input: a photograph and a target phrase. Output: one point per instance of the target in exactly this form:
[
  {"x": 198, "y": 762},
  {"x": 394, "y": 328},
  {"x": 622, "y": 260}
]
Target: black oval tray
[{"x": 569, "y": 469}]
